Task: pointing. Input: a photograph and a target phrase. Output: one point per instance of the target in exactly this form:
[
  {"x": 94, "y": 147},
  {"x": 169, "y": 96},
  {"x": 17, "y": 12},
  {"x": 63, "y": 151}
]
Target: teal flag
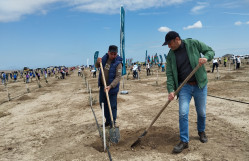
[
  {"x": 165, "y": 57},
  {"x": 95, "y": 58},
  {"x": 122, "y": 38},
  {"x": 156, "y": 59},
  {"x": 161, "y": 58},
  {"x": 146, "y": 57}
]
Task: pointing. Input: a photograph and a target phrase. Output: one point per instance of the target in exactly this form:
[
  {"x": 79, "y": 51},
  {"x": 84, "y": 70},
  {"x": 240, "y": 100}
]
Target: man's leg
[
  {"x": 200, "y": 98},
  {"x": 102, "y": 99},
  {"x": 185, "y": 96},
  {"x": 184, "y": 100}
]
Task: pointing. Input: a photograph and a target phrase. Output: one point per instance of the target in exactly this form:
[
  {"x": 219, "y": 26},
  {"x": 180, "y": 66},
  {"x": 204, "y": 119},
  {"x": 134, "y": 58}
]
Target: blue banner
[
  {"x": 122, "y": 38},
  {"x": 161, "y": 58},
  {"x": 146, "y": 57},
  {"x": 165, "y": 57},
  {"x": 95, "y": 58}
]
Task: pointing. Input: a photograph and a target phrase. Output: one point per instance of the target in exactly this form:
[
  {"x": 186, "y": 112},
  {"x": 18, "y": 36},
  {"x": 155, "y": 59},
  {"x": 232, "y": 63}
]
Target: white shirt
[
  {"x": 134, "y": 67},
  {"x": 238, "y": 60},
  {"x": 215, "y": 61}
]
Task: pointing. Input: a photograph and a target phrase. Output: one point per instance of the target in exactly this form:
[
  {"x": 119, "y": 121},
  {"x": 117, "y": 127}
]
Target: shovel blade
[{"x": 114, "y": 135}]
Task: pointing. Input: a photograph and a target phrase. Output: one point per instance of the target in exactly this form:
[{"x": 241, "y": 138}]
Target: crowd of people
[{"x": 28, "y": 74}]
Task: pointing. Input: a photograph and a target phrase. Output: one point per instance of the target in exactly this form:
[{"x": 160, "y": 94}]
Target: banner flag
[
  {"x": 146, "y": 57},
  {"x": 95, "y": 58},
  {"x": 161, "y": 58},
  {"x": 122, "y": 38},
  {"x": 165, "y": 57}
]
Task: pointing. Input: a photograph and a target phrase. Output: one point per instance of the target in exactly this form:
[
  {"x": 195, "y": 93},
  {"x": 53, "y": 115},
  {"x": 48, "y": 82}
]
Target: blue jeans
[
  {"x": 113, "y": 102},
  {"x": 200, "y": 99}
]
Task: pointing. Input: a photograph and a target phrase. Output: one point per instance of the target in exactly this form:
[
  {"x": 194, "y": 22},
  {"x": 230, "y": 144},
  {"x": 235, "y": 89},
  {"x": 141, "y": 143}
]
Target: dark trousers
[
  {"x": 238, "y": 65},
  {"x": 134, "y": 74},
  {"x": 113, "y": 102},
  {"x": 215, "y": 65},
  {"x": 148, "y": 71}
]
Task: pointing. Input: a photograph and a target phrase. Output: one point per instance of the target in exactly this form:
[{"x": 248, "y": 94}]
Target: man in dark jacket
[
  {"x": 112, "y": 66},
  {"x": 183, "y": 57}
]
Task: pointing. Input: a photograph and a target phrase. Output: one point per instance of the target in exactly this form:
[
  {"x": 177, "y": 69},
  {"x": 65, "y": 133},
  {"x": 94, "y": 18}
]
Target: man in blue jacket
[
  {"x": 183, "y": 57},
  {"x": 112, "y": 66}
]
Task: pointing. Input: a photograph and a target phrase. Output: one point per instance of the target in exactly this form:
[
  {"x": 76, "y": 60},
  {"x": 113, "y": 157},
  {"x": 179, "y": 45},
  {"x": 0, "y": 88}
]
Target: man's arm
[
  {"x": 97, "y": 64},
  {"x": 205, "y": 50},
  {"x": 118, "y": 76},
  {"x": 169, "y": 74}
]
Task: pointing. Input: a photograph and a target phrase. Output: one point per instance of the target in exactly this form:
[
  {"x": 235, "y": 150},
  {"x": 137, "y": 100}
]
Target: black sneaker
[
  {"x": 203, "y": 137},
  {"x": 180, "y": 147}
]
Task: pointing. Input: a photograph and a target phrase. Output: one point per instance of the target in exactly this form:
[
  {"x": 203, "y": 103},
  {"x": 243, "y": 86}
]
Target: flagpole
[{"x": 122, "y": 44}]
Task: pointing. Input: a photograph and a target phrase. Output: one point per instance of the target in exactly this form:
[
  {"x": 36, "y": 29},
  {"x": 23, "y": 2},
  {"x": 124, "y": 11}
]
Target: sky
[{"x": 42, "y": 33}]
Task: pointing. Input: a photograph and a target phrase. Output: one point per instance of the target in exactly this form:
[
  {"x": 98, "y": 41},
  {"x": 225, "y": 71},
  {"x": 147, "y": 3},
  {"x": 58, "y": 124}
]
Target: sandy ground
[{"x": 55, "y": 122}]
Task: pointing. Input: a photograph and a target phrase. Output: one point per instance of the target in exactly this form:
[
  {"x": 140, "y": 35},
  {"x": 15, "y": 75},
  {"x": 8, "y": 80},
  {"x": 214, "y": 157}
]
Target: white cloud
[
  {"x": 199, "y": 7},
  {"x": 241, "y": 14},
  {"x": 198, "y": 24},
  {"x": 14, "y": 10},
  {"x": 164, "y": 29},
  {"x": 238, "y": 23},
  {"x": 247, "y": 22},
  {"x": 230, "y": 5},
  {"x": 113, "y": 6}
]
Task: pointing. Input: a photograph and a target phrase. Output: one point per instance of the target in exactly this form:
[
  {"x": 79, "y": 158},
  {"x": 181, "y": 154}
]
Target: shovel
[
  {"x": 167, "y": 103},
  {"x": 114, "y": 131}
]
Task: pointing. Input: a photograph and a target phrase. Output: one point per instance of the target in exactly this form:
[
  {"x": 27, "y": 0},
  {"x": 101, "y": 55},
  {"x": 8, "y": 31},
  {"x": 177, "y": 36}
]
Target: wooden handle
[{"x": 107, "y": 95}]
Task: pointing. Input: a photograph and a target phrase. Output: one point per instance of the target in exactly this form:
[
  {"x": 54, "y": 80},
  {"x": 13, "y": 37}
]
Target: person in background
[
  {"x": 215, "y": 64},
  {"x": 3, "y": 76},
  {"x": 94, "y": 73},
  {"x": 15, "y": 77},
  {"x": 112, "y": 66},
  {"x": 79, "y": 72},
  {"x": 7, "y": 77},
  {"x": 27, "y": 77},
  {"x": 148, "y": 69},
  {"x": 225, "y": 61},
  {"x": 238, "y": 62},
  {"x": 163, "y": 67},
  {"x": 134, "y": 70},
  {"x": 183, "y": 57},
  {"x": 234, "y": 59}
]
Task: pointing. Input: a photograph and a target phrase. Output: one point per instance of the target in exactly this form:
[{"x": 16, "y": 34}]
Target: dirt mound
[
  {"x": 227, "y": 77},
  {"x": 157, "y": 139},
  {"x": 23, "y": 98},
  {"x": 2, "y": 114}
]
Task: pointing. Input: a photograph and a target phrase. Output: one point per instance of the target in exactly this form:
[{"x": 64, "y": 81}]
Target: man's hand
[
  {"x": 99, "y": 60},
  {"x": 202, "y": 61},
  {"x": 107, "y": 89},
  {"x": 171, "y": 96}
]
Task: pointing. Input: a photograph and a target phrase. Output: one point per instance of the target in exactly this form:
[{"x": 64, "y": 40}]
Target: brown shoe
[
  {"x": 180, "y": 147},
  {"x": 203, "y": 137}
]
